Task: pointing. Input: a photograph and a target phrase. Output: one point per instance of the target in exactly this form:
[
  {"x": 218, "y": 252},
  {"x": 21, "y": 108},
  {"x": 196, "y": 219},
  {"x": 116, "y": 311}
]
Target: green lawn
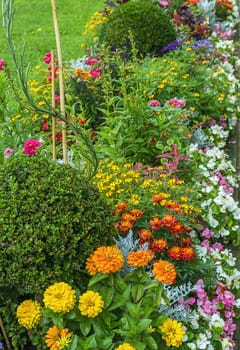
[{"x": 33, "y": 24}]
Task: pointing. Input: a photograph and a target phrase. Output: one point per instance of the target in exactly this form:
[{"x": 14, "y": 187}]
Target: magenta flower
[
  {"x": 47, "y": 58},
  {"x": 176, "y": 103},
  {"x": 2, "y": 63},
  {"x": 90, "y": 61},
  {"x": 30, "y": 147},
  {"x": 95, "y": 72},
  {"x": 154, "y": 103},
  {"x": 7, "y": 152}
]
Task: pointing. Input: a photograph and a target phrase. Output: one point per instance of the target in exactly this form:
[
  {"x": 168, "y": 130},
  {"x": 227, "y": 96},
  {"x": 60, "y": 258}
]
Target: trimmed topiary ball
[
  {"x": 51, "y": 219},
  {"x": 149, "y": 26}
]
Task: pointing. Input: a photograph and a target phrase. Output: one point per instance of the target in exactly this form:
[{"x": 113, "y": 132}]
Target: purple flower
[
  {"x": 173, "y": 45},
  {"x": 30, "y": 147}
]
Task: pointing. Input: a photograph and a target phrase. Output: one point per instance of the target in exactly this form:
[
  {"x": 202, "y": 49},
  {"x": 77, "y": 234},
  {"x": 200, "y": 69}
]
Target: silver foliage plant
[{"x": 173, "y": 308}]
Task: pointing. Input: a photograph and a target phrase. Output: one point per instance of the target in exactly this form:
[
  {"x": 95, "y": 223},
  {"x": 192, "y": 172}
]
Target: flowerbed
[{"x": 159, "y": 126}]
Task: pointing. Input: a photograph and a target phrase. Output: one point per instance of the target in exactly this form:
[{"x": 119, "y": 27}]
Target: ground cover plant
[{"x": 158, "y": 128}]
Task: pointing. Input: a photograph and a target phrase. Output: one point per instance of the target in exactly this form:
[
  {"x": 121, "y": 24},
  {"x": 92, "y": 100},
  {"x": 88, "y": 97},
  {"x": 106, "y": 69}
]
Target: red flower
[
  {"x": 2, "y": 62},
  {"x": 155, "y": 223},
  {"x": 145, "y": 236},
  {"x": 45, "y": 125},
  {"x": 159, "y": 245},
  {"x": 187, "y": 254},
  {"x": 174, "y": 253}
]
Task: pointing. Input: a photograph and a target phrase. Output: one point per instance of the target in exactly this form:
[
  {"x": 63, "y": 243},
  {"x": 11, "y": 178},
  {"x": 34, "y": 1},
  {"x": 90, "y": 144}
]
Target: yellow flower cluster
[
  {"x": 90, "y": 304},
  {"x": 29, "y": 313},
  {"x": 98, "y": 18},
  {"x": 59, "y": 297},
  {"x": 125, "y": 346},
  {"x": 173, "y": 332}
]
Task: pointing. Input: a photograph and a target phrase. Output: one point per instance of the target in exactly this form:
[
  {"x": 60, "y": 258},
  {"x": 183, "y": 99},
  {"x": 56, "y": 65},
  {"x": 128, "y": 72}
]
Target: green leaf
[
  {"x": 150, "y": 341},
  {"x": 74, "y": 343},
  {"x": 85, "y": 326},
  {"x": 97, "y": 278},
  {"x": 143, "y": 324}
]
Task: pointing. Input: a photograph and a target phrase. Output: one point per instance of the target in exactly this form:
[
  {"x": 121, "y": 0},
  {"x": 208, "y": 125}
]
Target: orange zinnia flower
[
  {"x": 57, "y": 339},
  {"x": 140, "y": 258},
  {"x": 105, "y": 260},
  {"x": 159, "y": 245},
  {"x": 164, "y": 272},
  {"x": 145, "y": 236}
]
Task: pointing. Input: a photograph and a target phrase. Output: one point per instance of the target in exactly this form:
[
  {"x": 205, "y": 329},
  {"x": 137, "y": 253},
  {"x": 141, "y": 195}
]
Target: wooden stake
[
  {"x": 53, "y": 106},
  {"x": 4, "y": 334},
  {"x": 61, "y": 80}
]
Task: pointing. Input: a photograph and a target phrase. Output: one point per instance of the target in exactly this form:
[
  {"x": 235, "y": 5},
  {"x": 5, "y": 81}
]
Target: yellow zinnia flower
[
  {"x": 57, "y": 339},
  {"x": 29, "y": 313},
  {"x": 59, "y": 297},
  {"x": 125, "y": 346},
  {"x": 90, "y": 304},
  {"x": 173, "y": 332}
]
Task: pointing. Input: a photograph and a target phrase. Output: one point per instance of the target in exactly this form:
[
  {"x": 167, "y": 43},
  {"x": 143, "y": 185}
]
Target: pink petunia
[
  {"x": 163, "y": 3},
  {"x": 154, "y": 103},
  {"x": 7, "y": 152},
  {"x": 30, "y": 147},
  {"x": 90, "y": 61},
  {"x": 176, "y": 103}
]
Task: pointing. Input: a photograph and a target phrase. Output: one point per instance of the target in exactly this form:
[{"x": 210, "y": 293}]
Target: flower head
[
  {"x": 59, "y": 297},
  {"x": 30, "y": 147},
  {"x": 105, "y": 259},
  {"x": 164, "y": 272},
  {"x": 7, "y": 152},
  {"x": 90, "y": 304},
  {"x": 145, "y": 236},
  {"x": 140, "y": 258},
  {"x": 187, "y": 253},
  {"x": 57, "y": 339},
  {"x": 173, "y": 332},
  {"x": 125, "y": 346},
  {"x": 2, "y": 62},
  {"x": 29, "y": 313},
  {"x": 159, "y": 245},
  {"x": 154, "y": 103},
  {"x": 47, "y": 58},
  {"x": 174, "y": 252}
]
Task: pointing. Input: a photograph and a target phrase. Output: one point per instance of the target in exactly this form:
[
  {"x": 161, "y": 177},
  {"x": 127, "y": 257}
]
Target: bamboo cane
[
  {"x": 4, "y": 334},
  {"x": 61, "y": 80},
  {"x": 53, "y": 106}
]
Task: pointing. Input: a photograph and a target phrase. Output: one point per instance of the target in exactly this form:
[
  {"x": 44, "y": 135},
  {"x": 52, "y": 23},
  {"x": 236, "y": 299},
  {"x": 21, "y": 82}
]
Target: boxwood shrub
[
  {"x": 149, "y": 26},
  {"x": 51, "y": 219}
]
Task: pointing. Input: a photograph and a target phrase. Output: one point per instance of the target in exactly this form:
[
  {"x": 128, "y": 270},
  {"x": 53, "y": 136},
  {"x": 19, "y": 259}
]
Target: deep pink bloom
[
  {"x": 95, "y": 72},
  {"x": 91, "y": 61},
  {"x": 207, "y": 234},
  {"x": 2, "y": 63},
  {"x": 7, "y": 152},
  {"x": 30, "y": 147},
  {"x": 57, "y": 99},
  {"x": 217, "y": 246},
  {"x": 154, "y": 103},
  {"x": 47, "y": 58},
  {"x": 176, "y": 103}
]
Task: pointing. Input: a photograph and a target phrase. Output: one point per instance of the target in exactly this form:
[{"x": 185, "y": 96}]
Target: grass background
[{"x": 33, "y": 24}]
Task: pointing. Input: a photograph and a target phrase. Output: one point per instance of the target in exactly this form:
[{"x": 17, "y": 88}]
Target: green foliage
[
  {"x": 51, "y": 219},
  {"x": 146, "y": 24}
]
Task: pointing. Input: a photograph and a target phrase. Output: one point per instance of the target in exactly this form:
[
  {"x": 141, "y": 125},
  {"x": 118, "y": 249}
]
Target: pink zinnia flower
[
  {"x": 91, "y": 61},
  {"x": 154, "y": 103},
  {"x": 95, "y": 72},
  {"x": 176, "y": 103},
  {"x": 2, "y": 62},
  {"x": 30, "y": 147},
  {"x": 7, "y": 152}
]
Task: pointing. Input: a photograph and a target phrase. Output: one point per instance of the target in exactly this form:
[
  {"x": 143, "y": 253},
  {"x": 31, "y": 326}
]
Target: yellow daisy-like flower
[
  {"x": 105, "y": 260},
  {"x": 59, "y": 297},
  {"x": 29, "y": 313},
  {"x": 139, "y": 258},
  {"x": 173, "y": 332},
  {"x": 125, "y": 346},
  {"x": 164, "y": 272},
  {"x": 90, "y": 304},
  {"x": 57, "y": 339}
]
